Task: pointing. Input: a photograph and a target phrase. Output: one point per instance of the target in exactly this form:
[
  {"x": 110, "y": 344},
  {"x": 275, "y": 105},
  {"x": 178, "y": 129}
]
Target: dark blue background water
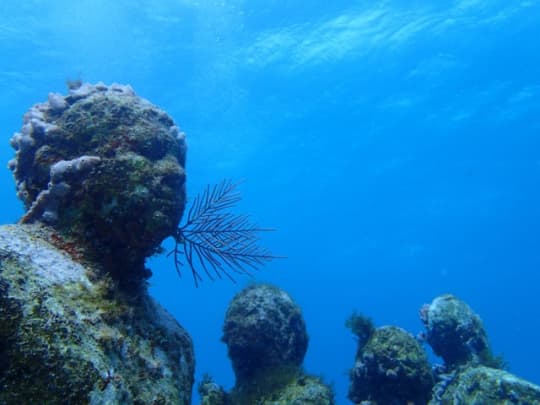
[{"x": 394, "y": 144}]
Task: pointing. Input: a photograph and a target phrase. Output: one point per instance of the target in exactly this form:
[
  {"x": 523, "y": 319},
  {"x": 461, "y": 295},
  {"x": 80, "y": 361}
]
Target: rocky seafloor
[{"x": 101, "y": 173}]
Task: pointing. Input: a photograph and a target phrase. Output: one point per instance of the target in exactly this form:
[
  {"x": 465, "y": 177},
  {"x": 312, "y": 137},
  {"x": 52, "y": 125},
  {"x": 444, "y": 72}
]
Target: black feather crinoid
[{"x": 216, "y": 241}]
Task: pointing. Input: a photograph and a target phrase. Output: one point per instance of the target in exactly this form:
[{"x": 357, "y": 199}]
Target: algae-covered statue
[
  {"x": 391, "y": 366},
  {"x": 105, "y": 169},
  {"x": 101, "y": 173},
  {"x": 471, "y": 374},
  {"x": 266, "y": 339}
]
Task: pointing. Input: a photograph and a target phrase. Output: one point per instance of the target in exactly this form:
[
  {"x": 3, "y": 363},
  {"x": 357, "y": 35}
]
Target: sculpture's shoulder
[
  {"x": 29, "y": 252},
  {"x": 71, "y": 336}
]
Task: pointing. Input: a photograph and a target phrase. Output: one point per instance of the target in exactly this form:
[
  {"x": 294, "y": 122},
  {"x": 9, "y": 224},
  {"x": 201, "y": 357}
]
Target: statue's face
[{"x": 102, "y": 163}]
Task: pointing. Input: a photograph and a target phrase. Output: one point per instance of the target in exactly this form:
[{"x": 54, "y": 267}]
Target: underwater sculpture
[
  {"x": 392, "y": 368},
  {"x": 266, "y": 339},
  {"x": 263, "y": 329},
  {"x": 456, "y": 333},
  {"x": 106, "y": 169},
  {"x": 70, "y": 336},
  {"x": 101, "y": 175},
  {"x": 471, "y": 374}
]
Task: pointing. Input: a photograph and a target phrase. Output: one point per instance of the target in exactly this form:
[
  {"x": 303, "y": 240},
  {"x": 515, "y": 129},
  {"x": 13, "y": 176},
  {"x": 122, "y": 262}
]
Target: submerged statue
[
  {"x": 101, "y": 174},
  {"x": 266, "y": 339},
  {"x": 106, "y": 169}
]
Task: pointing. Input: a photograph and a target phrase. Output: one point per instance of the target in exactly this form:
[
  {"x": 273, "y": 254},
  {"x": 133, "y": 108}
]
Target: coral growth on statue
[
  {"x": 101, "y": 174},
  {"x": 105, "y": 168}
]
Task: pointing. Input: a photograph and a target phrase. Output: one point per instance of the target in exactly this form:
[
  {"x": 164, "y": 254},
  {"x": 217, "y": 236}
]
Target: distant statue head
[
  {"x": 265, "y": 332},
  {"x": 104, "y": 168}
]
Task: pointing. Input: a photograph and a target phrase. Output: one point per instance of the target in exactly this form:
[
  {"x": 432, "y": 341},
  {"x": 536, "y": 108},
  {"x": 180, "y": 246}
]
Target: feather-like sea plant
[{"x": 216, "y": 242}]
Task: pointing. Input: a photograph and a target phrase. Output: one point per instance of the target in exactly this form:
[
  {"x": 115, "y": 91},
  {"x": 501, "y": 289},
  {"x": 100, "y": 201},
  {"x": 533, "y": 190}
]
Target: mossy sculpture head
[
  {"x": 391, "y": 368},
  {"x": 264, "y": 331},
  {"x": 104, "y": 168},
  {"x": 457, "y": 334}
]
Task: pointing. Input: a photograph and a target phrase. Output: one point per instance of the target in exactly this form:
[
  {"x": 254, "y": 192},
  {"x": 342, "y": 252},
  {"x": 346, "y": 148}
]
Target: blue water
[{"x": 395, "y": 145}]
